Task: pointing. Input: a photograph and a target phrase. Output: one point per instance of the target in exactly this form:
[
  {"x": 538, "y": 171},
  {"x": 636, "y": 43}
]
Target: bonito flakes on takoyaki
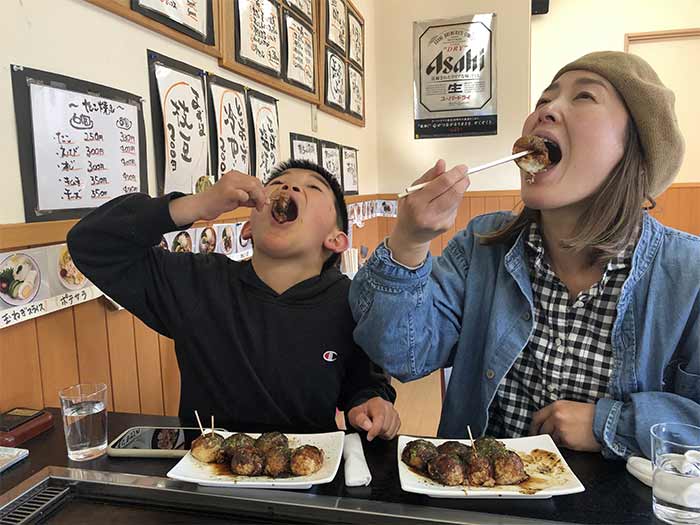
[
  {"x": 234, "y": 441},
  {"x": 271, "y": 439},
  {"x": 417, "y": 453}
]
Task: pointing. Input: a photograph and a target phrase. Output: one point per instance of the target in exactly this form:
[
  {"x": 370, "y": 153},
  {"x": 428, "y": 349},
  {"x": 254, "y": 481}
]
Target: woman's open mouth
[
  {"x": 284, "y": 209},
  {"x": 544, "y": 154}
]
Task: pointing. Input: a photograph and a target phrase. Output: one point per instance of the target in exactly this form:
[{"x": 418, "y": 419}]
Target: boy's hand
[
  {"x": 427, "y": 213},
  {"x": 377, "y": 416},
  {"x": 570, "y": 423},
  {"x": 232, "y": 190}
]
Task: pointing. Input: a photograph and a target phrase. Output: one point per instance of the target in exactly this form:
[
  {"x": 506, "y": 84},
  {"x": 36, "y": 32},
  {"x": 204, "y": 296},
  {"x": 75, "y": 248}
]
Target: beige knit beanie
[{"x": 651, "y": 106}]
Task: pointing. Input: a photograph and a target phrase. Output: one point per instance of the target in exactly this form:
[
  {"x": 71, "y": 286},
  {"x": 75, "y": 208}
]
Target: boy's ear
[
  {"x": 337, "y": 242},
  {"x": 247, "y": 231}
]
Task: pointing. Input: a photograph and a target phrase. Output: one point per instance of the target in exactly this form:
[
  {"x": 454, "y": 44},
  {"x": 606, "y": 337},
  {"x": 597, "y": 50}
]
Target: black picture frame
[
  {"x": 22, "y": 77},
  {"x": 213, "y": 128},
  {"x": 293, "y": 137},
  {"x": 326, "y": 74},
  {"x": 285, "y": 52},
  {"x": 301, "y": 13},
  {"x": 348, "y": 96},
  {"x": 172, "y": 24},
  {"x": 251, "y": 63},
  {"x": 351, "y": 13},
  {"x": 253, "y": 142},
  {"x": 332, "y": 145},
  {"x": 357, "y": 167},
  {"x": 157, "y": 111},
  {"x": 327, "y": 39}
]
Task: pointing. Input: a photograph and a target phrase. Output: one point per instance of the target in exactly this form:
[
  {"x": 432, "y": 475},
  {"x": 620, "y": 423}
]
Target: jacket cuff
[
  {"x": 607, "y": 416},
  {"x": 383, "y": 266}
]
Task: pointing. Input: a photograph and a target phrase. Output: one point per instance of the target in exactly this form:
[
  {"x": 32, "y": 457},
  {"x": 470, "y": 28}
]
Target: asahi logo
[{"x": 456, "y": 64}]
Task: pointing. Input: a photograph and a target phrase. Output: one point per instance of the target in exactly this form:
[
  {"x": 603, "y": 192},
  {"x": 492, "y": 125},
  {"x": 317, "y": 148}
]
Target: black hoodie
[{"x": 255, "y": 359}]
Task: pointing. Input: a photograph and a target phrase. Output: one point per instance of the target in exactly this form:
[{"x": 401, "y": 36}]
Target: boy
[{"x": 264, "y": 344}]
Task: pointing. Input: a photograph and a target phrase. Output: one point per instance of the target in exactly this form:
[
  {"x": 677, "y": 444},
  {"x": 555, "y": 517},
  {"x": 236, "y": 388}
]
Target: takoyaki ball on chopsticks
[
  {"x": 447, "y": 469},
  {"x": 277, "y": 461},
  {"x": 234, "y": 441},
  {"x": 247, "y": 461},
  {"x": 456, "y": 448},
  {"x": 306, "y": 460},
  {"x": 207, "y": 447},
  {"x": 509, "y": 469},
  {"x": 271, "y": 439},
  {"x": 417, "y": 453},
  {"x": 479, "y": 472}
]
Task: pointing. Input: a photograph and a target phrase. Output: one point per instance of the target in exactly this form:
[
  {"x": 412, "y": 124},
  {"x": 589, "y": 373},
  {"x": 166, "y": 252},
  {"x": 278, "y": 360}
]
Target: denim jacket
[{"x": 471, "y": 309}]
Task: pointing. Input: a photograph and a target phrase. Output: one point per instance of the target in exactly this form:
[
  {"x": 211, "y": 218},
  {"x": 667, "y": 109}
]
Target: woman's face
[{"x": 583, "y": 113}]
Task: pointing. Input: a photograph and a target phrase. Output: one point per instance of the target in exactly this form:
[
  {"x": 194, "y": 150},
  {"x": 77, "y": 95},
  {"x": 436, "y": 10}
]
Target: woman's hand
[
  {"x": 427, "y": 213},
  {"x": 233, "y": 190}
]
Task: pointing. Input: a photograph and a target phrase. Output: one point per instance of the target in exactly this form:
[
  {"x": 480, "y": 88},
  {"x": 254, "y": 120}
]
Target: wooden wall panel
[
  {"x": 122, "y": 358},
  {"x": 92, "y": 346},
  {"x": 57, "y": 354},
  {"x": 170, "y": 372},
  {"x": 148, "y": 359},
  {"x": 20, "y": 371}
]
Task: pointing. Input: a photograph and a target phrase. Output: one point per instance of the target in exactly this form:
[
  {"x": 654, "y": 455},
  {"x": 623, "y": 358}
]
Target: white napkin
[
  {"x": 640, "y": 468},
  {"x": 670, "y": 487},
  {"x": 356, "y": 471}
]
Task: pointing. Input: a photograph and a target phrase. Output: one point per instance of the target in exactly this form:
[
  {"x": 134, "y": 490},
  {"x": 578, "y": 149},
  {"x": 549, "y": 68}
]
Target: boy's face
[{"x": 299, "y": 221}]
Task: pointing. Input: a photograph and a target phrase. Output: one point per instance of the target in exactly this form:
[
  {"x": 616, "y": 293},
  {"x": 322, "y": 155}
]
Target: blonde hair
[{"x": 612, "y": 215}]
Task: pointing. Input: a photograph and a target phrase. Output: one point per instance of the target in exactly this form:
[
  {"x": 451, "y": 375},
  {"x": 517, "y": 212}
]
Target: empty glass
[{"x": 84, "y": 413}]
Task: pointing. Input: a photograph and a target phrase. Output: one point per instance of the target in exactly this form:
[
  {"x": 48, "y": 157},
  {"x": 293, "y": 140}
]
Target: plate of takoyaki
[
  {"x": 529, "y": 467},
  {"x": 269, "y": 460}
]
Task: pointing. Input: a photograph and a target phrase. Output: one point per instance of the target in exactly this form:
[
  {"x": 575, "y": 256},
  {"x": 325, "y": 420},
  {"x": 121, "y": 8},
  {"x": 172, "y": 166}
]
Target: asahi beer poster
[
  {"x": 349, "y": 170},
  {"x": 266, "y": 131},
  {"x": 304, "y": 148},
  {"x": 357, "y": 43},
  {"x": 186, "y": 130},
  {"x": 300, "y": 53},
  {"x": 86, "y": 148},
  {"x": 233, "y": 150},
  {"x": 337, "y": 22},
  {"x": 335, "y": 80},
  {"x": 304, "y": 6},
  {"x": 356, "y": 91},
  {"x": 330, "y": 159},
  {"x": 259, "y": 34},
  {"x": 455, "y": 77},
  {"x": 190, "y": 13}
]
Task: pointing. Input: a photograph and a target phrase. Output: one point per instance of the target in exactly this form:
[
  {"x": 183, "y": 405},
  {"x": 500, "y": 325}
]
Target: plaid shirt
[{"x": 569, "y": 353}]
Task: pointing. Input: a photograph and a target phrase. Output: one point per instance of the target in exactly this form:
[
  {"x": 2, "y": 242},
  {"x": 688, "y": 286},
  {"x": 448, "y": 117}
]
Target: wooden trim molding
[{"x": 652, "y": 36}]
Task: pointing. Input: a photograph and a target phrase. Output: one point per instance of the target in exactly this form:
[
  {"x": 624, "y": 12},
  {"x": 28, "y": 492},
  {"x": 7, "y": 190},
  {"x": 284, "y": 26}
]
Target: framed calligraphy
[
  {"x": 80, "y": 144},
  {"x": 350, "y": 171},
  {"x": 356, "y": 92},
  {"x": 180, "y": 125},
  {"x": 335, "y": 80},
  {"x": 304, "y": 8},
  {"x": 258, "y": 40},
  {"x": 193, "y": 18},
  {"x": 265, "y": 122},
  {"x": 356, "y": 40},
  {"x": 331, "y": 161},
  {"x": 336, "y": 24},
  {"x": 300, "y": 57},
  {"x": 231, "y": 137},
  {"x": 304, "y": 148}
]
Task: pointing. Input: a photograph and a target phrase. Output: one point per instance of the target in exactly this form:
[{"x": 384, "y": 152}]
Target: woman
[{"x": 577, "y": 318}]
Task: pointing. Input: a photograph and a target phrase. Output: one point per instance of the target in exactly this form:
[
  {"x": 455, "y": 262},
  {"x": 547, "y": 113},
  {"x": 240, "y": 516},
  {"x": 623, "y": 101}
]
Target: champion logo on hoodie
[{"x": 330, "y": 356}]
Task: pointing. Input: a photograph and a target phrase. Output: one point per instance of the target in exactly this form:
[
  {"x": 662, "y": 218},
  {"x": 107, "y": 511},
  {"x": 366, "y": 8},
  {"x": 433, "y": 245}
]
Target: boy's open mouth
[{"x": 284, "y": 209}]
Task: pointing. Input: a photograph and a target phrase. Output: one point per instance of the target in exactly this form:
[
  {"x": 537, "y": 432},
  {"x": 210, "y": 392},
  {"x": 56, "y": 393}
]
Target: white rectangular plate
[
  {"x": 189, "y": 469},
  {"x": 565, "y": 482}
]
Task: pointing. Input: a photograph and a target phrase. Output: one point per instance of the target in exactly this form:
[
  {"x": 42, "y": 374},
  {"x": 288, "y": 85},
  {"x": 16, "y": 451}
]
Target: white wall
[
  {"x": 77, "y": 39},
  {"x": 401, "y": 157},
  {"x": 575, "y": 27}
]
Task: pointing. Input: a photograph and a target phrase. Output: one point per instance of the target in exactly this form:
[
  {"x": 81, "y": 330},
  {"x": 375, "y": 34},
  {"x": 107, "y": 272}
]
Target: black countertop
[{"x": 612, "y": 496}]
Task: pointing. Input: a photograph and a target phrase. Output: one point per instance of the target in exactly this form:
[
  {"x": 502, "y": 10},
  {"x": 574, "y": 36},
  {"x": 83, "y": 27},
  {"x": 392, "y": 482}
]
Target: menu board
[
  {"x": 350, "y": 177},
  {"x": 232, "y": 129},
  {"x": 356, "y": 40},
  {"x": 337, "y": 23},
  {"x": 265, "y": 124},
  {"x": 304, "y": 148},
  {"x": 186, "y": 130},
  {"x": 335, "y": 80},
  {"x": 356, "y": 92},
  {"x": 192, "y": 14},
  {"x": 300, "y": 53},
  {"x": 258, "y": 35},
  {"x": 305, "y": 7},
  {"x": 330, "y": 160}
]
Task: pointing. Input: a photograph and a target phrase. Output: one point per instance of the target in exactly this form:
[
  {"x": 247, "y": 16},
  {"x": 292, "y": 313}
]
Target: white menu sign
[
  {"x": 260, "y": 33},
  {"x": 233, "y": 150},
  {"x": 189, "y": 13},
  {"x": 300, "y": 53},
  {"x": 266, "y": 128}
]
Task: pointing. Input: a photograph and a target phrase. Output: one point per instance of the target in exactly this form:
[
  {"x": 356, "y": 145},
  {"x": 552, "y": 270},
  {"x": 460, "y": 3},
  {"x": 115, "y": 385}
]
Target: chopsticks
[{"x": 475, "y": 169}]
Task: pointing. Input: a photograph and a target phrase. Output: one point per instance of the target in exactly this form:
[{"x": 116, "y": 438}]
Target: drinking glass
[{"x": 84, "y": 413}]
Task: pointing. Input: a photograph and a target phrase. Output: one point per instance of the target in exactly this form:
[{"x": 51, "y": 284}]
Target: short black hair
[{"x": 341, "y": 210}]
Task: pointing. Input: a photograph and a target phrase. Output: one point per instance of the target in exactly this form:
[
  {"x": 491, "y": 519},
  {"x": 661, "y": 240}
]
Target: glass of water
[
  {"x": 675, "y": 454},
  {"x": 84, "y": 412}
]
